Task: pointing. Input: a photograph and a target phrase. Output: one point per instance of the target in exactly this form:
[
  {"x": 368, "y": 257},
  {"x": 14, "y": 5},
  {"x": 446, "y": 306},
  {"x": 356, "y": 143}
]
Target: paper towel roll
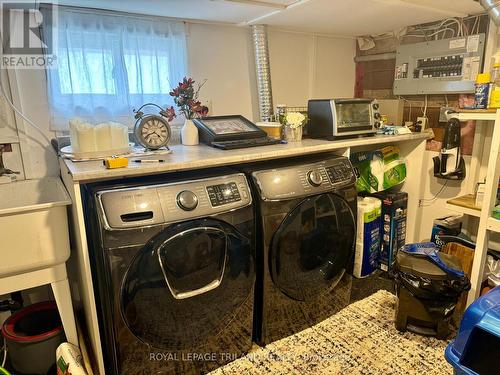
[{"x": 367, "y": 236}]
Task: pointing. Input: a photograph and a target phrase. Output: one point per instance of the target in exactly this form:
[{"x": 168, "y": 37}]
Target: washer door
[
  {"x": 312, "y": 247},
  {"x": 186, "y": 283}
]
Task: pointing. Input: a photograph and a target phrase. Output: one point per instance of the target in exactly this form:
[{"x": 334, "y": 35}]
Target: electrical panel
[{"x": 441, "y": 66}]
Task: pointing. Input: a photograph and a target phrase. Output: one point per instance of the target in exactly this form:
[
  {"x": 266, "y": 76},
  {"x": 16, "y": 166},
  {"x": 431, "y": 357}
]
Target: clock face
[{"x": 153, "y": 132}]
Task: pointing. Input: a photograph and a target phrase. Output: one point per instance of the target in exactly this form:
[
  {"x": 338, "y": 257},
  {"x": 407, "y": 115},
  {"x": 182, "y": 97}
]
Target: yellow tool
[{"x": 115, "y": 162}]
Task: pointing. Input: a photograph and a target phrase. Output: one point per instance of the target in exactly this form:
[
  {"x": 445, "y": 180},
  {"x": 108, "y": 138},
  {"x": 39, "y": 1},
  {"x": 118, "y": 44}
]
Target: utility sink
[{"x": 33, "y": 225}]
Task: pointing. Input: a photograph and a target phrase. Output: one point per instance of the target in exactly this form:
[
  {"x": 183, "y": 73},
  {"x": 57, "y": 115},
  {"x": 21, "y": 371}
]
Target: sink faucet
[{"x": 4, "y": 170}]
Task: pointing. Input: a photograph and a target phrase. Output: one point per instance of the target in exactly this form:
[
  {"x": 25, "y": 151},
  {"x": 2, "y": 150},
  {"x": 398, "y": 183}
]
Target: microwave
[{"x": 335, "y": 118}]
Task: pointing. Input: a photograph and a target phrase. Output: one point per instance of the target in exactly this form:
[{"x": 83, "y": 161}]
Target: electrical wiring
[
  {"x": 409, "y": 113},
  {"x": 475, "y": 25},
  {"x": 425, "y": 106},
  {"x": 433, "y": 34},
  {"x": 431, "y": 201},
  {"x": 14, "y": 108},
  {"x": 409, "y": 102},
  {"x": 4, "y": 352},
  {"x": 442, "y": 27}
]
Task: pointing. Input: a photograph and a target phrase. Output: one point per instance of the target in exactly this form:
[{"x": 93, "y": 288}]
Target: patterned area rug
[{"x": 360, "y": 339}]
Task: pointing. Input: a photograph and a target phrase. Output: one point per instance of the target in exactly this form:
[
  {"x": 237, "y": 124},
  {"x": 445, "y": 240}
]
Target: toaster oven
[{"x": 334, "y": 118}]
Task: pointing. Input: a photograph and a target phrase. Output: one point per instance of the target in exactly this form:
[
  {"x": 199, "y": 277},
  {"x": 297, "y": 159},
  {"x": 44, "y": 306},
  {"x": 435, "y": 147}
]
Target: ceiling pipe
[
  {"x": 263, "y": 71},
  {"x": 493, "y": 9}
]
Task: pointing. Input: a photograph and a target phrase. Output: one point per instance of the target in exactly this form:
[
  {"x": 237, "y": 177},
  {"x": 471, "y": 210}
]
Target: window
[{"x": 109, "y": 64}]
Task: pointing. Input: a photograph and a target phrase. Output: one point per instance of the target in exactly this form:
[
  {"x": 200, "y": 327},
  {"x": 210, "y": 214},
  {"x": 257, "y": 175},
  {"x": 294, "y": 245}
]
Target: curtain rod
[{"x": 141, "y": 16}]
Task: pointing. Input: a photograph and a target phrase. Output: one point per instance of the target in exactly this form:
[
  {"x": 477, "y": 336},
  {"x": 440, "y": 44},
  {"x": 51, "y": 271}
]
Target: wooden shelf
[
  {"x": 493, "y": 224},
  {"x": 465, "y": 204}
]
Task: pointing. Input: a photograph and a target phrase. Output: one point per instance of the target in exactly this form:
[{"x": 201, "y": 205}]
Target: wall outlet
[
  {"x": 442, "y": 113},
  {"x": 422, "y": 121}
]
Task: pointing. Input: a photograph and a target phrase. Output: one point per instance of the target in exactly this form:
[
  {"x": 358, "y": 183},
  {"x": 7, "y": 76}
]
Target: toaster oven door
[{"x": 353, "y": 117}]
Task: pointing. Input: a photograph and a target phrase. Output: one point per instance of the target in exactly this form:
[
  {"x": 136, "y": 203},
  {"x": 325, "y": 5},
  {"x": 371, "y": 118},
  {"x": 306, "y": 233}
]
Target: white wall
[
  {"x": 436, "y": 208},
  {"x": 302, "y": 66},
  {"x": 223, "y": 56},
  {"x": 305, "y": 66}
]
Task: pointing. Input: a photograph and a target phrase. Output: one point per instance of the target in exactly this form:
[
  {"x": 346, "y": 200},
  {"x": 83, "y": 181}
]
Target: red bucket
[{"x": 32, "y": 335}]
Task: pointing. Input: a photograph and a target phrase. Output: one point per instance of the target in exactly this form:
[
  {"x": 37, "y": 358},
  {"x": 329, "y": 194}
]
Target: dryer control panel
[
  {"x": 305, "y": 179},
  {"x": 167, "y": 203}
]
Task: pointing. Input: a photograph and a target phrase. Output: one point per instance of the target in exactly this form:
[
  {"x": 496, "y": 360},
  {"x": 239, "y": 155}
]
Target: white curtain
[{"x": 109, "y": 64}]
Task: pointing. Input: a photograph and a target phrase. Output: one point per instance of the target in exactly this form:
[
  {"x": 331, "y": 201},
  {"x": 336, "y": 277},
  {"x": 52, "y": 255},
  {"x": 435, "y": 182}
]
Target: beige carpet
[{"x": 360, "y": 339}]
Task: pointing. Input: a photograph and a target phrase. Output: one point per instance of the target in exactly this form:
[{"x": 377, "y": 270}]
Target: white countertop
[{"x": 202, "y": 156}]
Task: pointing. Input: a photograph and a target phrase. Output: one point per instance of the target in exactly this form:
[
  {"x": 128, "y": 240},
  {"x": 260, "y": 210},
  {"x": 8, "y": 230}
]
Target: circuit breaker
[{"x": 441, "y": 66}]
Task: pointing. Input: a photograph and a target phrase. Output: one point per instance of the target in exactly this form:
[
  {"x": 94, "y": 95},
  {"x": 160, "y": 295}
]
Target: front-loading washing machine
[
  {"x": 173, "y": 265},
  {"x": 306, "y": 233}
]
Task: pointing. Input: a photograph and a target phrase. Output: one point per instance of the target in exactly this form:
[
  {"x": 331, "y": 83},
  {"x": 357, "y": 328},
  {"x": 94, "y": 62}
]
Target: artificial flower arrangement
[
  {"x": 295, "y": 119},
  {"x": 186, "y": 99}
]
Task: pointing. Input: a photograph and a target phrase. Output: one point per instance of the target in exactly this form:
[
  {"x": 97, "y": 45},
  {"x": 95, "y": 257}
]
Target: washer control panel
[
  {"x": 303, "y": 180},
  {"x": 315, "y": 178},
  {"x": 223, "y": 194},
  {"x": 178, "y": 201},
  {"x": 340, "y": 172},
  {"x": 187, "y": 200}
]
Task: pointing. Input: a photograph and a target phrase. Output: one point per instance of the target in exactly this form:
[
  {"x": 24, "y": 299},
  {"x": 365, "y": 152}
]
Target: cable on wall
[
  {"x": 17, "y": 110},
  {"x": 430, "y": 201}
]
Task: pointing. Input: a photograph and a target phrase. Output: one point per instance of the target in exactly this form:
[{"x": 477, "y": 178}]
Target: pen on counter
[{"x": 148, "y": 161}]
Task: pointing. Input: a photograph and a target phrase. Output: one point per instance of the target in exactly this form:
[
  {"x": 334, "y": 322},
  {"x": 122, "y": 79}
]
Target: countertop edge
[{"x": 226, "y": 158}]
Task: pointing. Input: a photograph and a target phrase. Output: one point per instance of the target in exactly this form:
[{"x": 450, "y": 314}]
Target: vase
[
  {"x": 293, "y": 134},
  {"x": 189, "y": 133}
]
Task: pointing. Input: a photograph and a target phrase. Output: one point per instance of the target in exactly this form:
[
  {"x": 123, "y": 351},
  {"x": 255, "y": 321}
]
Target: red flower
[
  {"x": 186, "y": 83},
  {"x": 186, "y": 98},
  {"x": 175, "y": 92},
  {"x": 204, "y": 111},
  {"x": 170, "y": 113},
  {"x": 195, "y": 105}
]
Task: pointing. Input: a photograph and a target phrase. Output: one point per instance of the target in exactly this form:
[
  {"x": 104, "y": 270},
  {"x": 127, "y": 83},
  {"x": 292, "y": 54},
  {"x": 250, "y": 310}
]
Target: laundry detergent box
[
  {"x": 378, "y": 170},
  {"x": 394, "y": 214}
]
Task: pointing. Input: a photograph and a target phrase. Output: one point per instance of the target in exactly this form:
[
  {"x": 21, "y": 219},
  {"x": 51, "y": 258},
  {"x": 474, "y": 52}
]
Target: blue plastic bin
[{"x": 476, "y": 349}]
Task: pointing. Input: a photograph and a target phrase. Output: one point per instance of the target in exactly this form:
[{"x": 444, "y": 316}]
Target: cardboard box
[{"x": 394, "y": 213}]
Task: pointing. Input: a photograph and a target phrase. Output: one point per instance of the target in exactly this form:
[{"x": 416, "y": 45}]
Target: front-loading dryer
[
  {"x": 306, "y": 232},
  {"x": 174, "y": 269}
]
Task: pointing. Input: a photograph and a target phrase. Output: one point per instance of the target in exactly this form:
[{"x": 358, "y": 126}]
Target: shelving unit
[
  {"x": 487, "y": 224},
  {"x": 465, "y": 204},
  {"x": 493, "y": 225}
]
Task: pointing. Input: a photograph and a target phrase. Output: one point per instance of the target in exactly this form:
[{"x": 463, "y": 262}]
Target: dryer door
[
  {"x": 312, "y": 247},
  {"x": 186, "y": 283}
]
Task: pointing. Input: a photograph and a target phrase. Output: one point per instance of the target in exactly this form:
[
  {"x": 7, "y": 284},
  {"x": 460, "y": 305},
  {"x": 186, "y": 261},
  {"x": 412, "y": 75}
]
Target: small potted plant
[
  {"x": 294, "y": 121},
  {"x": 186, "y": 99}
]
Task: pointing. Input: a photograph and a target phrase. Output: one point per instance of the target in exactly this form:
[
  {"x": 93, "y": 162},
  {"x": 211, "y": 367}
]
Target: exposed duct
[
  {"x": 493, "y": 9},
  {"x": 261, "y": 52}
]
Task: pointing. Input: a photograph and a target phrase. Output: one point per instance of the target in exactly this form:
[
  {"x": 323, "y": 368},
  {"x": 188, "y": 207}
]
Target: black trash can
[
  {"x": 32, "y": 335},
  {"x": 427, "y": 294}
]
